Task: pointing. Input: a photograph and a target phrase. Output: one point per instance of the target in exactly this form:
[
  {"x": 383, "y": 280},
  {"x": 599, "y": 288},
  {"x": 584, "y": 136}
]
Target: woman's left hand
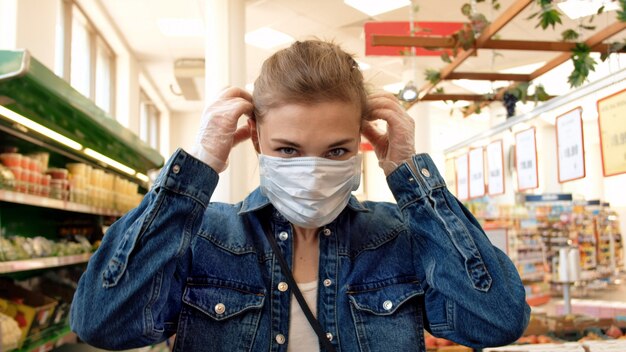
[{"x": 397, "y": 144}]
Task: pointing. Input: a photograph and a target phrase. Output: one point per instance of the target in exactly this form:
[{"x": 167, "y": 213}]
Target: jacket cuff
[
  {"x": 408, "y": 186},
  {"x": 188, "y": 176}
]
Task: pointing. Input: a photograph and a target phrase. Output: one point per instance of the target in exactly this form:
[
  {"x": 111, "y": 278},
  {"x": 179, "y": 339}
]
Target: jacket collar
[{"x": 257, "y": 201}]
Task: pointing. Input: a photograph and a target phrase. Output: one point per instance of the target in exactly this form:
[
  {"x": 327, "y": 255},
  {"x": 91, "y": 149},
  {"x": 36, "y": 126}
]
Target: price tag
[
  {"x": 476, "y": 173},
  {"x": 526, "y": 159},
  {"x": 612, "y": 124},
  {"x": 495, "y": 168},
  {"x": 462, "y": 174},
  {"x": 570, "y": 145}
]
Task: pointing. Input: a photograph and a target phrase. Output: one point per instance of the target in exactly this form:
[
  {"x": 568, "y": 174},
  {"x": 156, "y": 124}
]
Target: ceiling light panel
[
  {"x": 267, "y": 38},
  {"x": 376, "y": 7}
]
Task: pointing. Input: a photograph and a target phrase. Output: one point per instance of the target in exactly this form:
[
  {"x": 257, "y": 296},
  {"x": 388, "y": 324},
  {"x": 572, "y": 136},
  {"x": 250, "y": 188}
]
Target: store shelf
[
  {"x": 45, "y": 202},
  {"x": 42, "y": 263},
  {"x": 48, "y": 342}
]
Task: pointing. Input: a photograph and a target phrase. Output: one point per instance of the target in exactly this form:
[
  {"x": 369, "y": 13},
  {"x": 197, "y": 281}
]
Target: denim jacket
[{"x": 178, "y": 264}]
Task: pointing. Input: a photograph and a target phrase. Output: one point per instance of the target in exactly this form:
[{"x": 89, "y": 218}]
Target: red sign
[{"x": 423, "y": 29}]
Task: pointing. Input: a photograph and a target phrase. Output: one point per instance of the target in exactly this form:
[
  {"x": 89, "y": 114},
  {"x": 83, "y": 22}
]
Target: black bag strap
[{"x": 321, "y": 335}]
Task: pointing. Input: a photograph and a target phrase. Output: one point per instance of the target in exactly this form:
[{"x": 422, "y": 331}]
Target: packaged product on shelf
[
  {"x": 7, "y": 178},
  {"x": 32, "y": 310},
  {"x": 61, "y": 292},
  {"x": 10, "y": 332}
]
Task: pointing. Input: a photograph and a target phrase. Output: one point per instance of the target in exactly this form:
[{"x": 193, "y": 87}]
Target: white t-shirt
[{"x": 302, "y": 337}]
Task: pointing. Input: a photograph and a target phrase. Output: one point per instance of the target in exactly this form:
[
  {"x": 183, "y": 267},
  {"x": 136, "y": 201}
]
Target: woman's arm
[
  {"x": 473, "y": 293},
  {"x": 129, "y": 296}
]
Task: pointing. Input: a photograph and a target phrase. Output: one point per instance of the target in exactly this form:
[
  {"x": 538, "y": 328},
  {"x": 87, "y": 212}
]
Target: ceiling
[{"x": 325, "y": 19}]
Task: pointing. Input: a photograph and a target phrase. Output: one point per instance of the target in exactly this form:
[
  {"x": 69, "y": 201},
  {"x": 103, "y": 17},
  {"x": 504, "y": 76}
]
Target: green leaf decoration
[
  {"x": 600, "y": 10},
  {"x": 621, "y": 13},
  {"x": 440, "y": 90},
  {"x": 466, "y": 9},
  {"x": 589, "y": 28},
  {"x": 549, "y": 18},
  {"x": 569, "y": 35},
  {"x": 432, "y": 76},
  {"x": 445, "y": 57},
  {"x": 583, "y": 65},
  {"x": 540, "y": 93}
]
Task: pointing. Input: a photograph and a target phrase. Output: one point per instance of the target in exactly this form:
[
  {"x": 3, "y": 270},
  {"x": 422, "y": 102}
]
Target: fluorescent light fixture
[
  {"x": 181, "y": 27},
  {"x": 582, "y": 8},
  {"x": 409, "y": 92},
  {"x": 394, "y": 88},
  {"x": 376, "y": 7},
  {"x": 105, "y": 159},
  {"x": 30, "y": 124},
  {"x": 142, "y": 177},
  {"x": 363, "y": 66},
  {"x": 267, "y": 38}
]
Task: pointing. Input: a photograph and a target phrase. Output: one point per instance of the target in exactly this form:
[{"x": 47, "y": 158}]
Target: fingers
[
  {"x": 371, "y": 132},
  {"x": 235, "y": 92},
  {"x": 241, "y": 134}
]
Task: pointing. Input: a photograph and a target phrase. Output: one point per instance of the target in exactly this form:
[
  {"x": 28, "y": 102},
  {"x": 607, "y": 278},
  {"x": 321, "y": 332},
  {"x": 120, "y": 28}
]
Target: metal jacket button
[
  {"x": 220, "y": 308},
  {"x": 282, "y": 286},
  {"x": 328, "y": 282},
  {"x": 327, "y": 232},
  {"x": 283, "y": 236},
  {"x": 387, "y": 305},
  {"x": 425, "y": 172},
  {"x": 176, "y": 169},
  {"x": 280, "y": 338}
]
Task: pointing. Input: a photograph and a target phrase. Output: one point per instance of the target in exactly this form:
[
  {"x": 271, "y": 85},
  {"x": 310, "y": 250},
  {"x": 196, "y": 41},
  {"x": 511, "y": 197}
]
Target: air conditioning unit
[{"x": 189, "y": 74}]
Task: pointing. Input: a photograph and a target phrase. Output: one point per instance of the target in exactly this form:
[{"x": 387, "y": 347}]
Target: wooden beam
[
  {"x": 486, "y": 35},
  {"x": 500, "y": 44},
  {"x": 593, "y": 41},
  {"x": 489, "y": 76},
  {"x": 530, "y": 45},
  {"x": 405, "y": 40},
  {"x": 439, "y": 97}
]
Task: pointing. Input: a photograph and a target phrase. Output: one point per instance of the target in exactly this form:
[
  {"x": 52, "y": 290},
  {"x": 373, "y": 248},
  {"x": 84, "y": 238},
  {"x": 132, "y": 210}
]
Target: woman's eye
[
  {"x": 287, "y": 151},
  {"x": 336, "y": 153}
]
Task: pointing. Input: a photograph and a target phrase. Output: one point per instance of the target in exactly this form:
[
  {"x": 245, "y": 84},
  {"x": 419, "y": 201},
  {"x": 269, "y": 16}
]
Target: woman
[{"x": 373, "y": 274}]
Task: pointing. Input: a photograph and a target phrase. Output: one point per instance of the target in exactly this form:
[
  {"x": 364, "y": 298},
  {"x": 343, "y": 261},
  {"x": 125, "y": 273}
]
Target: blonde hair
[{"x": 308, "y": 72}]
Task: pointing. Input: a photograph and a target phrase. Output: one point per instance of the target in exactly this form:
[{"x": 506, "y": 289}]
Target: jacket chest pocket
[
  {"x": 219, "y": 315},
  {"x": 387, "y": 315}
]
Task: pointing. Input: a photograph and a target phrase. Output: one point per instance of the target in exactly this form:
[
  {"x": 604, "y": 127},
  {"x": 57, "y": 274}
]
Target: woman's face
[{"x": 327, "y": 129}]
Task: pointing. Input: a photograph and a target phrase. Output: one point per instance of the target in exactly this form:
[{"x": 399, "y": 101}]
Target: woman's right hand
[{"x": 218, "y": 132}]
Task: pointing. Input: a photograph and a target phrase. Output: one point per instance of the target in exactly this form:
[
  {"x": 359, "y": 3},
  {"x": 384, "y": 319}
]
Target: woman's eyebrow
[
  {"x": 286, "y": 142},
  {"x": 341, "y": 142}
]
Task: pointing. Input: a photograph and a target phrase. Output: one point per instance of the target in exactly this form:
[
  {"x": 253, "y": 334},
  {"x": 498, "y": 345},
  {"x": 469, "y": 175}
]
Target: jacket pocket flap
[
  {"x": 384, "y": 298},
  {"x": 222, "y": 302}
]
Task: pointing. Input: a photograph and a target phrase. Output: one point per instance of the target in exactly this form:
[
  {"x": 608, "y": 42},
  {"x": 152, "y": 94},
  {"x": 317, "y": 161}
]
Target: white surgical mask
[{"x": 310, "y": 192}]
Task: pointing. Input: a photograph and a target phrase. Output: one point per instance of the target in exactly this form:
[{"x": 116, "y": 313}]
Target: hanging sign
[
  {"x": 526, "y": 159},
  {"x": 612, "y": 125},
  {"x": 495, "y": 168},
  {"x": 570, "y": 146},
  {"x": 462, "y": 173},
  {"x": 476, "y": 173},
  {"x": 450, "y": 174}
]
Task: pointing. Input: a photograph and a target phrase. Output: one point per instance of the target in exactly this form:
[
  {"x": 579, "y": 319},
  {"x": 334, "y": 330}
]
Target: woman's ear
[{"x": 254, "y": 136}]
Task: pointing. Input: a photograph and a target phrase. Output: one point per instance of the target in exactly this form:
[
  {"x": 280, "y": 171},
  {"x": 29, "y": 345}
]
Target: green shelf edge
[
  {"x": 57, "y": 335},
  {"x": 32, "y": 90}
]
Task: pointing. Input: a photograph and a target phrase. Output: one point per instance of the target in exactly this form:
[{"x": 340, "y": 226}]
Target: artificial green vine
[
  {"x": 583, "y": 65},
  {"x": 548, "y": 15}
]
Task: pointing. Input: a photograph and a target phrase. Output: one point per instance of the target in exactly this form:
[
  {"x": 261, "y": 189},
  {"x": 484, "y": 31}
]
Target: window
[
  {"x": 91, "y": 62},
  {"x": 149, "y": 125},
  {"x": 104, "y": 77},
  {"x": 80, "y": 58}
]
